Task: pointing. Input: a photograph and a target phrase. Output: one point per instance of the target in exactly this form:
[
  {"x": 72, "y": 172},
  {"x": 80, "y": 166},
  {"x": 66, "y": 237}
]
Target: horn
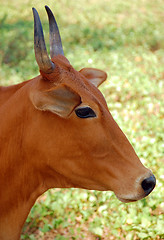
[
  {"x": 41, "y": 55},
  {"x": 55, "y": 39}
]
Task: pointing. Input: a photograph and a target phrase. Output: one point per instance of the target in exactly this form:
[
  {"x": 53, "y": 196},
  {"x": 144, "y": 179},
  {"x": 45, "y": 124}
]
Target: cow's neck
[
  {"x": 7, "y": 92},
  {"x": 11, "y": 223},
  {"x": 19, "y": 189}
]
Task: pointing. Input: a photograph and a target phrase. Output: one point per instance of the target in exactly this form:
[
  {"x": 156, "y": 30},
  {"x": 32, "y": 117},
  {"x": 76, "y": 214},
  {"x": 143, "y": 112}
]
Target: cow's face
[{"x": 78, "y": 138}]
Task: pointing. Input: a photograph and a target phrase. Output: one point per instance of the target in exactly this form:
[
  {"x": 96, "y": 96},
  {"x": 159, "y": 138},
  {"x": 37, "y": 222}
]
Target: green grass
[{"x": 126, "y": 39}]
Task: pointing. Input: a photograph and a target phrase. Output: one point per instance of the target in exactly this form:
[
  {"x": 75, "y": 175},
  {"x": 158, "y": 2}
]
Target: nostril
[{"x": 148, "y": 184}]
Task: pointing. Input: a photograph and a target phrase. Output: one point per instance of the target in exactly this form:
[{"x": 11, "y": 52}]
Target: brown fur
[{"x": 40, "y": 149}]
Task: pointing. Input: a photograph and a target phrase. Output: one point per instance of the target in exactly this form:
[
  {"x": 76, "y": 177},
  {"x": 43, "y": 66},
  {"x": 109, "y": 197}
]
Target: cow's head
[{"x": 78, "y": 141}]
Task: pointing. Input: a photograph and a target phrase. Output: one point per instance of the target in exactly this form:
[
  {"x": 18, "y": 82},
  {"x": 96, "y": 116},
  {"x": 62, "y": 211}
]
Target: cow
[{"x": 56, "y": 132}]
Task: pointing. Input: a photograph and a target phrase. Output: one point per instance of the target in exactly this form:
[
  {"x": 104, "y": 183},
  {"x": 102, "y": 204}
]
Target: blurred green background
[{"x": 126, "y": 39}]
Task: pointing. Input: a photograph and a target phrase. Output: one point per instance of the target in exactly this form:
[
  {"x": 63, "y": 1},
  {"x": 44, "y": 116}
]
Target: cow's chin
[
  {"x": 128, "y": 199},
  {"x": 124, "y": 200}
]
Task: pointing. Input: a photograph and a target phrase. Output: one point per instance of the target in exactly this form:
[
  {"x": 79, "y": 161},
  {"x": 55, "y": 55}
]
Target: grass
[{"x": 126, "y": 39}]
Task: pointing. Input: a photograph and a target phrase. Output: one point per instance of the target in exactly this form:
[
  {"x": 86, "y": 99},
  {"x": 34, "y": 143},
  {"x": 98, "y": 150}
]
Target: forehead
[
  {"x": 83, "y": 86},
  {"x": 65, "y": 73}
]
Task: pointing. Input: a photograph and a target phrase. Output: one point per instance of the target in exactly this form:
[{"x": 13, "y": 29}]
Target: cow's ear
[
  {"x": 95, "y": 76},
  {"x": 61, "y": 100}
]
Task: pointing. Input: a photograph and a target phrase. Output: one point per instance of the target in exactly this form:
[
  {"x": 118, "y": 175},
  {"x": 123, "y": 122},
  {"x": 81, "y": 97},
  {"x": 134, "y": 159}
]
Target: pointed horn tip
[
  {"x": 34, "y": 10},
  {"x": 48, "y": 10},
  {"x": 46, "y": 7}
]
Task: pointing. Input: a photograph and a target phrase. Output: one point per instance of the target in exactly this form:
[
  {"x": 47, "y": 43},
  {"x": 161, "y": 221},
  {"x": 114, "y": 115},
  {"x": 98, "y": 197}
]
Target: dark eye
[{"x": 85, "y": 112}]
